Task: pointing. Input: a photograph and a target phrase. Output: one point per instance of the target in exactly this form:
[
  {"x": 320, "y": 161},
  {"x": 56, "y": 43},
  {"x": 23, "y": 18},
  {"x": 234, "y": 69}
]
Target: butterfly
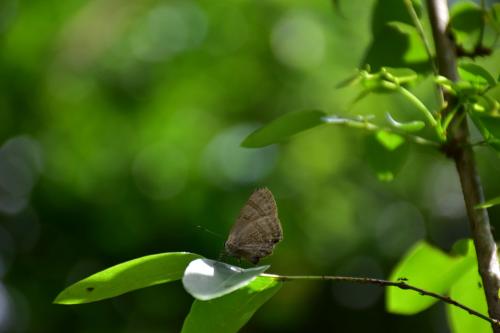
[{"x": 257, "y": 229}]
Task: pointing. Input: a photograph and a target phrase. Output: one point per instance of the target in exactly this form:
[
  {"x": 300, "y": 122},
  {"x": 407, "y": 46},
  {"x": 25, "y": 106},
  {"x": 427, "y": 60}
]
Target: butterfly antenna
[{"x": 199, "y": 227}]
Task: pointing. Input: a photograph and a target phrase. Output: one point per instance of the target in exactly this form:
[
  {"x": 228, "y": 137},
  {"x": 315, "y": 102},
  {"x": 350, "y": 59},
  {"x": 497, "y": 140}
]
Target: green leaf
[
  {"x": 489, "y": 127},
  {"x": 410, "y": 126},
  {"x": 428, "y": 268},
  {"x": 207, "y": 279},
  {"x": 461, "y": 247},
  {"x": 349, "y": 81},
  {"x": 476, "y": 75},
  {"x": 466, "y": 20},
  {"x": 130, "y": 275},
  {"x": 492, "y": 124},
  {"x": 494, "y": 16},
  {"x": 284, "y": 127},
  {"x": 389, "y": 140},
  {"x": 468, "y": 290},
  {"x": 395, "y": 42},
  {"x": 229, "y": 313},
  {"x": 385, "y": 153},
  {"x": 489, "y": 203}
]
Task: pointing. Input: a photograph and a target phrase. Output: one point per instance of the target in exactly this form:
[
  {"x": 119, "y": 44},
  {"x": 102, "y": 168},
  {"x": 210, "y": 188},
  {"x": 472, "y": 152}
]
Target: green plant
[{"x": 464, "y": 92}]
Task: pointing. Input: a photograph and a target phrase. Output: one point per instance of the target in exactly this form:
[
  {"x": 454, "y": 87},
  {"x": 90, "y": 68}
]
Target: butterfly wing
[{"x": 257, "y": 229}]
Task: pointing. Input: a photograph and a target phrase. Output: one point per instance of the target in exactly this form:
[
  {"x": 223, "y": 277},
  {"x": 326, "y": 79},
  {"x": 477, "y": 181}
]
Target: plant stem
[
  {"x": 385, "y": 283},
  {"x": 421, "y": 33},
  {"x": 460, "y": 150},
  {"x": 419, "y": 105},
  {"x": 362, "y": 124},
  {"x": 483, "y": 23}
]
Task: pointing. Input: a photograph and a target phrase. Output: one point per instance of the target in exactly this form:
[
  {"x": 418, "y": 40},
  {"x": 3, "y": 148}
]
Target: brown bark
[{"x": 458, "y": 148}]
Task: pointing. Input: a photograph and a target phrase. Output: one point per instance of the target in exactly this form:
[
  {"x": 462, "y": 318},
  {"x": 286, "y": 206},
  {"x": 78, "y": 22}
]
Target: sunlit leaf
[
  {"x": 468, "y": 290},
  {"x": 130, "y": 275},
  {"x": 489, "y": 203},
  {"x": 429, "y": 268},
  {"x": 395, "y": 42},
  {"x": 207, "y": 279},
  {"x": 229, "y": 313},
  {"x": 466, "y": 20},
  {"x": 389, "y": 140},
  {"x": 284, "y": 127},
  {"x": 476, "y": 74},
  {"x": 385, "y": 153}
]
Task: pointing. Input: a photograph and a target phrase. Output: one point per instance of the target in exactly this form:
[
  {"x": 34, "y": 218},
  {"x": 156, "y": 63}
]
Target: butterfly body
[{"x": 257, "y": 229}]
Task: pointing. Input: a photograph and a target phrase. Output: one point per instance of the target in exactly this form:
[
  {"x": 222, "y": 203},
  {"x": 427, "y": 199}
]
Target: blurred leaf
[
  {"x": 489, "y": 203},
  {"x": 284, "y": 127},
  {"x": 461, "y": 247},
  {"x": 410, "y": 126},
  {"x": 349, "y": 81},
  {"x": 229, "y": 313},
  {"x": 385, "y": 153},
  {"x": 495, "y": 15},
  {"x": 428, "y": 268},
  {"x": 395, "y": 42},
  {"x": 389, "y": 140},
  {"x": 476, "y": 75},
  {"x": 130, "y": 275},
  {"x": 468, "y": 290},
  {"x": 207, "y": 279},
  {"x": 489, "y": 127},
  {"x": 466, "y": 20},
  {"x": 360, "y": 96}
]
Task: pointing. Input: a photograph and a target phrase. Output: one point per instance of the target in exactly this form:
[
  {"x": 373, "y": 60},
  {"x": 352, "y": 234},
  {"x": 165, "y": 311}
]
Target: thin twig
[
  {"x": 385, "y": 283},
  {"x": 483, "y": 23},
  {"x": 421, "y": 33},
  {"x": 362, "y": 124}
]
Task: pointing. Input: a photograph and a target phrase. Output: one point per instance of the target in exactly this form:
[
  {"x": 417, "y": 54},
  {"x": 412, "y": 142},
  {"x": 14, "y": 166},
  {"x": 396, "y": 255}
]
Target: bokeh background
[{"x": 120, "y": 125}]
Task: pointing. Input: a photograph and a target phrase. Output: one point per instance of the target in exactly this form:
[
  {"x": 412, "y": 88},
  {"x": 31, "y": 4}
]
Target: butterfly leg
[{"x": 254, "y": 260}]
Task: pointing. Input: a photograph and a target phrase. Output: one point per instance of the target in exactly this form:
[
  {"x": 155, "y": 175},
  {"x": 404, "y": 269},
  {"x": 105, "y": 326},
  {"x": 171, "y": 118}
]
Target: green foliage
[
  {"x": 395, "y": 42},
  {"x": 386, "y": 80},
  {"x": 476, "y": 75},
  {"x": 466, "y": 21},
  {"x": 207, "y": 279},
  {"x": 284, "y": 127},
  {"x": 386, "y": 153},
  {"x": 468, "y": 290},
  {"x": 489, "y": 203},
  {"x": 428, "y": 268},
  {"x": 130, "y": 275},
  {"x": 151, "y": 99},
  {"x": 229, "y": 313},
  {"x": 494, "y": 16},
  {"x": 489, "y": 126},
  {"x": 474, "y": 82}
]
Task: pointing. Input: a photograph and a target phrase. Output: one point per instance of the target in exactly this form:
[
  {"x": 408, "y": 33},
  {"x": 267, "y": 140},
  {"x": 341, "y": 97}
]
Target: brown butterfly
[{"x": 257, "y": 229}]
